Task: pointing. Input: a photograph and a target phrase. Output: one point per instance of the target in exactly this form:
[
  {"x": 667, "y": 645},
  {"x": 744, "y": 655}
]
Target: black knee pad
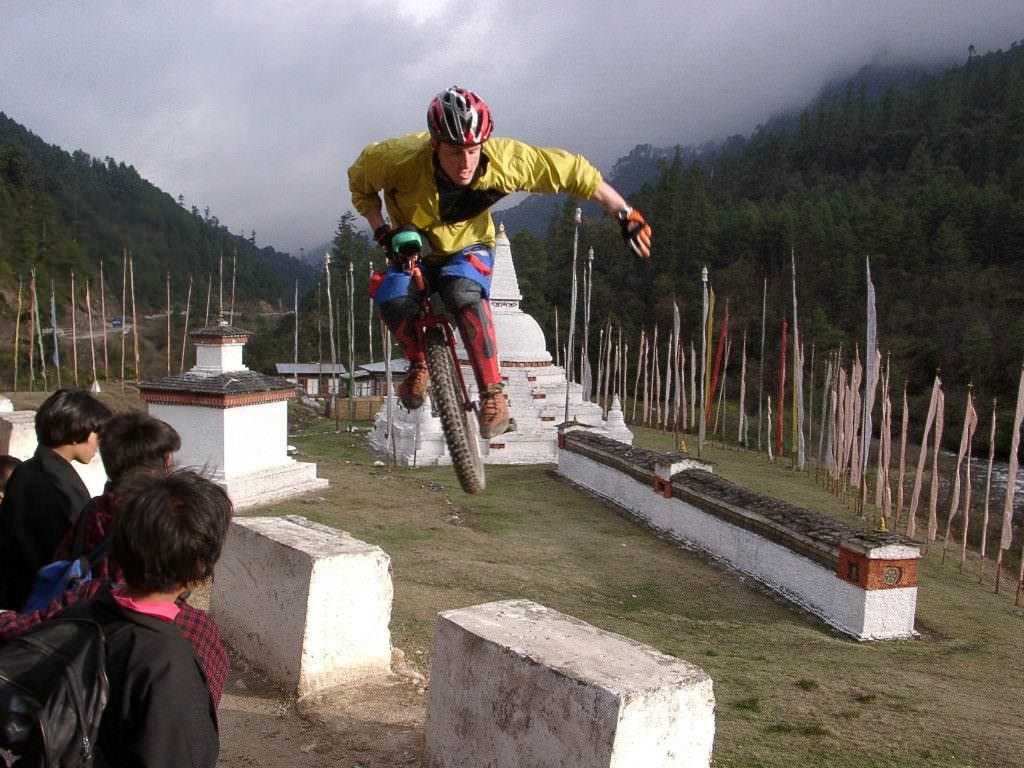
[
  {"x": 396, "y": 310},
  {"x": 459, "y": 292}
]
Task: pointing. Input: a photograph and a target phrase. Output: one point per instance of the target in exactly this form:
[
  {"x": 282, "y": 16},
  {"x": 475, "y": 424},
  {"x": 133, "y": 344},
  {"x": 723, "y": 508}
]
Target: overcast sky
[{"x": 256, "y": 108}]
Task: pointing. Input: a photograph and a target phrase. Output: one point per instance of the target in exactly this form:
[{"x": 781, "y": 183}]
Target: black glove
[
  {"x": 382, "y": 236},
  {"x": 636, "y": 232}
]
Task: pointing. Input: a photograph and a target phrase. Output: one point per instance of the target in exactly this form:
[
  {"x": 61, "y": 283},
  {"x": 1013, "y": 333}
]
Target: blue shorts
[{"x": 475, "y": 263}]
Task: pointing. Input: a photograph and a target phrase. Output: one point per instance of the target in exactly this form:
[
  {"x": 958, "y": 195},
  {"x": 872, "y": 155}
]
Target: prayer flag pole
[
  {"x": 760, "y": 391},
  {"x": 636, "y": 382},
  {"x": 124, "y": 309},
  {"x": 17, "y": 334},
  {"x": 703, "y": 355},
  {"x": 330, "y": 326},
  {"x": 209, "y": 291},
  {"x": 782, "y": 388},
  {"x": 184, "y": 335},
  {"x": 1006, "y": 535},
  {"x": 741, "y": 431},
  {"x": 954, "y": 502},
  {"x": 135, "y": 323},
  {"x": 988, "y": 490},
  {"x": 103, "y": 322},
  {"x": 351, "y": 346},
  {"x": 92, "y": 340},
  {"x": 922, "y": 457},
  {"x": 53, "y": 332},
  {"x": 168, "y": 323},
  {"x": 572, "y": 312}
]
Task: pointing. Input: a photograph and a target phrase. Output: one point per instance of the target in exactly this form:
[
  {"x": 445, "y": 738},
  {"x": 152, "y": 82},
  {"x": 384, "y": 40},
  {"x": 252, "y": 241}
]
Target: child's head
[
  {"x": 69, "y": 417},
  {"x": 169, "y": 529},
  {"x": 135, "y": 441},
  {"x": 7, "y": 465}
]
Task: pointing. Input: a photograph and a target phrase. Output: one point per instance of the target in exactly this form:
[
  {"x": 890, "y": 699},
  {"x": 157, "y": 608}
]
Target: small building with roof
[
  {"x": 318, "y": 379},
  {"x": 233, "y": 421}
]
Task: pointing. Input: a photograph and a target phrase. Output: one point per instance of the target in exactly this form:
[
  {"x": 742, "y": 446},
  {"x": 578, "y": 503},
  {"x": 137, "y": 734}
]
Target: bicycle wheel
[{"x": 459, "y": 431}]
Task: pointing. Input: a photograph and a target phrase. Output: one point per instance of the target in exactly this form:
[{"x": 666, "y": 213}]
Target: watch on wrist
[{"x": 624, "y": 213}]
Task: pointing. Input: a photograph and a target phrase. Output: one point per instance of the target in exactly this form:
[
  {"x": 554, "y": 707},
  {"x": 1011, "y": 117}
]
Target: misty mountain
[
  {"x": 644, "y": 163},
  {"x": 924, "y": 182},
  {"x": 314, "y": 257}
]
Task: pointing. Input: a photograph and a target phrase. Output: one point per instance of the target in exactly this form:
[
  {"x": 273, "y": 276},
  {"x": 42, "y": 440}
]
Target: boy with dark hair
[
  {"x": 45, "y": 494},
  {"x": 129, "y": 442},
  {"x": 135, "y": 440},
  {"x": 168, "y": 535},
  {"x": 69, "y": 417}
]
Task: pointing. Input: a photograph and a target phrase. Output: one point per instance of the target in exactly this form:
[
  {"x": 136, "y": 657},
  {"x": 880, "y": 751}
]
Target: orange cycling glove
[{"x": 636, "y": 232}]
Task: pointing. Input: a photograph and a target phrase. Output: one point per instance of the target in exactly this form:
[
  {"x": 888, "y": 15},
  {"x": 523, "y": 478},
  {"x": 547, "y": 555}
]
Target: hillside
[
  {"x": 62, "y": 211},
  {"x": 644, "y": 163},
  {"x": 926, "y": 180}
]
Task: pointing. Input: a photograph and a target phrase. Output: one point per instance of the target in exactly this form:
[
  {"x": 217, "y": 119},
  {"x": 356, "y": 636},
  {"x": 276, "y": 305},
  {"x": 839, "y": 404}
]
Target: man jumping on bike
[{"x": 444, "y": 182}]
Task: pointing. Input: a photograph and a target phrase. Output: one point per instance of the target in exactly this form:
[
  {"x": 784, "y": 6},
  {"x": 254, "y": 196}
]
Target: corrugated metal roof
[
  {"x": 311, "y": 369},
  {"x": 398, "y": 365}
]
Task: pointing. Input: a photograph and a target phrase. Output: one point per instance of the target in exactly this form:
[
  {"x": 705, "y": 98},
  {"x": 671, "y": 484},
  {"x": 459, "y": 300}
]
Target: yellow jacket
[{"x": 403, "y": 169}]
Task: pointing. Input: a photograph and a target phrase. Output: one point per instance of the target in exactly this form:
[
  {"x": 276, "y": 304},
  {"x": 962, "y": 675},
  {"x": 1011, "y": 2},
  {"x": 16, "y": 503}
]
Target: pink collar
[{"x": 155, "y": 608}]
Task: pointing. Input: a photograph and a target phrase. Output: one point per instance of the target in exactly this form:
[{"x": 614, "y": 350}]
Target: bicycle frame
[{"x": 429, "y": 319}]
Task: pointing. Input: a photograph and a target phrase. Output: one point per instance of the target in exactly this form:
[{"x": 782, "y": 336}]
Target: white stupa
[
  {"x": 535, "y": 386},
  {"x": 233, "y": 421}
]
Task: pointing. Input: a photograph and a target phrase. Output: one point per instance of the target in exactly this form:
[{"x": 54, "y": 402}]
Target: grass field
[{"x": 789, "y": 691}]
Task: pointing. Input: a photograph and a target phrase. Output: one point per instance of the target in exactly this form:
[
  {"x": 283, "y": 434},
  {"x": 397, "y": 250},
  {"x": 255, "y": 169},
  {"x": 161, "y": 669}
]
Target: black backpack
[{"x": 53, "y": 689}]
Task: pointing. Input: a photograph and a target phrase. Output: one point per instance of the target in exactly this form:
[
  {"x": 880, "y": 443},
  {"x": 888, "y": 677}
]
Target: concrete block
[
  {"x": 306, "y": 603},
  {"x": 18, "y": 434},
  {"x": 516, "y": 684}
]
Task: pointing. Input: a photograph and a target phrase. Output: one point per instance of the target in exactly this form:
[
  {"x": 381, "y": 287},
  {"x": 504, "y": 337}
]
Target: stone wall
[{"x": 861, "y": 582}]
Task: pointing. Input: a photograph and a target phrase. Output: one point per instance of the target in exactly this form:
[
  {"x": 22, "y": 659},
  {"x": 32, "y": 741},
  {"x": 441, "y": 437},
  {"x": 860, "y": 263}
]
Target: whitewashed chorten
[{"x": 233, "y": 421}]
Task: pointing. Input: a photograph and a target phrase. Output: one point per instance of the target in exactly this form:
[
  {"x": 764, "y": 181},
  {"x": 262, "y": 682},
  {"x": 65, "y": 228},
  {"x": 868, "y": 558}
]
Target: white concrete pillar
[
  {"x": 306, "y": 603},
  {"x": 514, "y": 683},
  {"x": 18, "y": 433}
]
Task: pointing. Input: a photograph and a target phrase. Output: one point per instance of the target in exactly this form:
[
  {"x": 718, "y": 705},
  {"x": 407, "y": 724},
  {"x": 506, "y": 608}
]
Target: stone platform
[
  {"x": 306, "y": 603},
  {"x": 516, "y": 684}
]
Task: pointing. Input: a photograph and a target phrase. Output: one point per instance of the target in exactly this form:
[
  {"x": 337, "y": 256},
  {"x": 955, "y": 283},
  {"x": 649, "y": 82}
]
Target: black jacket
[
  {"x": 160, "y": 714},
  {"x": 43, "y": 499}
]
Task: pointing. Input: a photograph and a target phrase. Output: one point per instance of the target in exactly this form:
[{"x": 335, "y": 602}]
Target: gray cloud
[{"x": 256, "y": 109}]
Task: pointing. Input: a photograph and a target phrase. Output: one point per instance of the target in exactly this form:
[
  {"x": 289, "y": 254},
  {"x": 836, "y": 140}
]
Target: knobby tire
[{"x": 456, "y": 421}]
